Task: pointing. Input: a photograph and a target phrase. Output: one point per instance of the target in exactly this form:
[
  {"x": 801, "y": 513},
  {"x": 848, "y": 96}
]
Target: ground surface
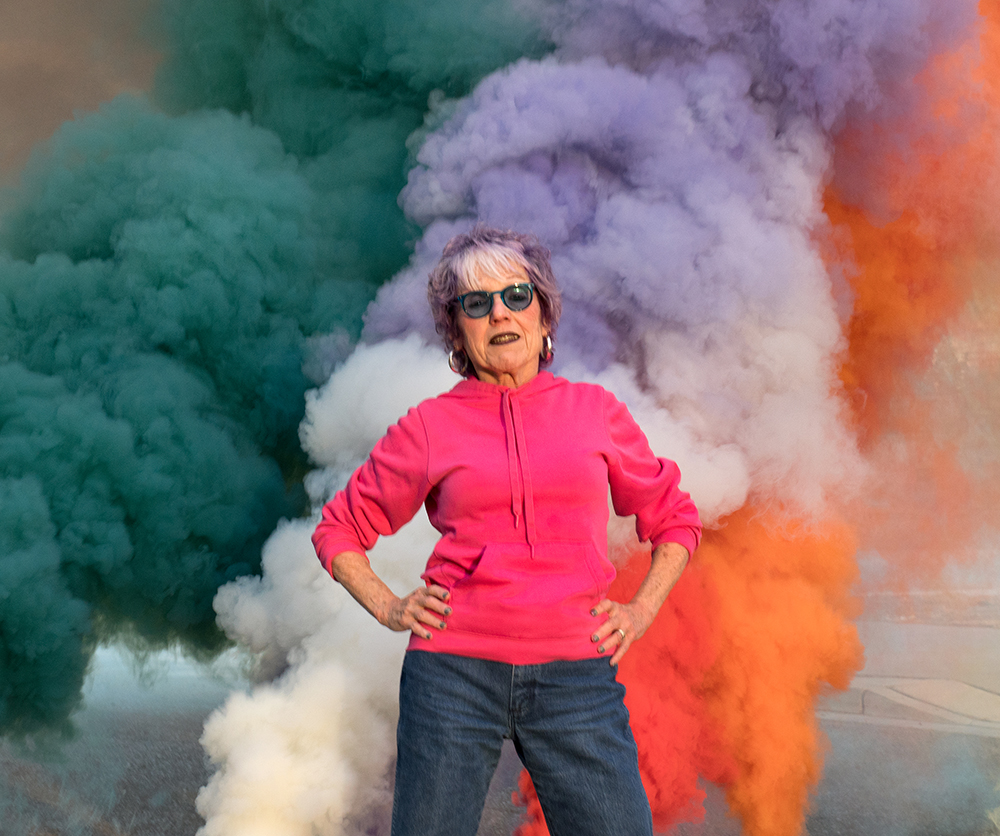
[{"x": 915, "y": 749}]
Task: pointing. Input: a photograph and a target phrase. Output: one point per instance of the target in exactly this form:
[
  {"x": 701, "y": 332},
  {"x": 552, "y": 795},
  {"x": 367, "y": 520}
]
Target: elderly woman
[{"x": 512, "y": 631}]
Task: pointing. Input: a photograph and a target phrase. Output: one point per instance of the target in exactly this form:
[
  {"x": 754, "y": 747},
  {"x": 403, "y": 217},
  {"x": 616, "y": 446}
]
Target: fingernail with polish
[
  {"x": 600, "y": 649},
  {"x": 447, "y": 610},
  {"x": 593, "y": 612},
  {"x": 593, "y": 638}
]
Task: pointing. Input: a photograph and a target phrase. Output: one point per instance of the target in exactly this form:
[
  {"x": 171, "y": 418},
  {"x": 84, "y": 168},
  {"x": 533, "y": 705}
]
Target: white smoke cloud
[
  {"x": 369, "y": 393},
  {"x": 311, "y": 751},
  {"x": 673, "y": 157}
]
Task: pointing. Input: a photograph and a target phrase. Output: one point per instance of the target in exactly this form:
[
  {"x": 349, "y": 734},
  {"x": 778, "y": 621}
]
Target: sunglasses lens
[
  {"x": 517, "y": 297},
  {"x": 477, "y": 304}
]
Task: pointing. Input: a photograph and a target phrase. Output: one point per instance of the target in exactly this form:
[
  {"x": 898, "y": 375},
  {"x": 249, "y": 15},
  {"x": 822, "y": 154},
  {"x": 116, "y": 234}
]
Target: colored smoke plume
[
  {"x": 171, "y": 284},
  {"x": 677, "y": 737},
  {"x": 724, "y": 685},
  {"x": 923, "y": 288},
  {"x": 783, "y": 603},
  {"x": 768, "y": 218},
  {"x": 682, "y": 168}
]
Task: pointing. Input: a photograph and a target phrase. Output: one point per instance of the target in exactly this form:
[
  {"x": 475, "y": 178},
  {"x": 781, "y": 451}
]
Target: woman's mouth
[{"x": 503, "y": 339}]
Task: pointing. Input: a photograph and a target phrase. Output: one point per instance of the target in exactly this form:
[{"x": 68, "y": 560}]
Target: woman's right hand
[
  {"x": 426, "y": 606},
  {"x": 423, "y": 608}
]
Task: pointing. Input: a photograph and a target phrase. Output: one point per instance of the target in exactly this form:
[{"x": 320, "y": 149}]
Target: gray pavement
[{"x": 914, "y": 750}]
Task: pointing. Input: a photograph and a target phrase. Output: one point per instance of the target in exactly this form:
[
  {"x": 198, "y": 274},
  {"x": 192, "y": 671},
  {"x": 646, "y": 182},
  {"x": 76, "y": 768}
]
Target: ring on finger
[{"x": 621, "y": 632}]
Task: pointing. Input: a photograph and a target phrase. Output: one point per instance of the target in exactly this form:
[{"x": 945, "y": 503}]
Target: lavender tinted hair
[{"x": 488, "y": 251}]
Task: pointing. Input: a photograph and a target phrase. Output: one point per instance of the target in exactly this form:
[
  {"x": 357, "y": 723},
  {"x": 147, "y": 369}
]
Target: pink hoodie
[{"x": 516, "y": 481}]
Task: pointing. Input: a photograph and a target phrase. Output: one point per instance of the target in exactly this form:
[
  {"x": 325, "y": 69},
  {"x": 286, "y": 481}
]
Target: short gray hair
[{"x": 491, "y": 252}]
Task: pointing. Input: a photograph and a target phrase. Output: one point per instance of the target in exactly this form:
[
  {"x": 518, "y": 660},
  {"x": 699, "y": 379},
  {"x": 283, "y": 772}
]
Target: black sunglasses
[{"x": 479, "y": 303}]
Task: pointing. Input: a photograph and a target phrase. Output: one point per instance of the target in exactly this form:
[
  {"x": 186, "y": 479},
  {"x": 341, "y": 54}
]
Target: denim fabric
[{"x": 569, "y": 727}]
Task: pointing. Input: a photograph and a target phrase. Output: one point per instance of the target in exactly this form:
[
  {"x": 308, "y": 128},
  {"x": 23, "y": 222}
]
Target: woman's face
[{"x": 504, "y": 346}]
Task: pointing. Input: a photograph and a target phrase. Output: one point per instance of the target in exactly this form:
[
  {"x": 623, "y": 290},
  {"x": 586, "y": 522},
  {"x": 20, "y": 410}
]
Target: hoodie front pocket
[{"x": 514, "y": 593}]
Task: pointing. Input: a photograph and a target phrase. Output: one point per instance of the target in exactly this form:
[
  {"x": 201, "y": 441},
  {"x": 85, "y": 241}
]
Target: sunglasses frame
[{"x": 491, "y": 293}]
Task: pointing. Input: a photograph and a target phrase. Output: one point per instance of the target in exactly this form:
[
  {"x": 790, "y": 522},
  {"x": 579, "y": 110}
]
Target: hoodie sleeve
[
  {"x": 381, "y": 497},
  {"x": 646, "y": 486}
]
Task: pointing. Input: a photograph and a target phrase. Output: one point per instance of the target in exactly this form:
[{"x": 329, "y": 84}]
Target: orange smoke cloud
[
  {"x": 676, "y": 736},
  {"x": 783, "y": 624},
  {"x": 913, "y": 278},
  {"x": 724, "y": 684},
  {"x": 665, "y": 678}
]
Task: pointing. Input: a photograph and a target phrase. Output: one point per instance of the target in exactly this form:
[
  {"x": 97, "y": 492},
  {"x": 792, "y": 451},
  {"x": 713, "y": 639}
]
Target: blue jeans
[{"x": 569, "y": 727}]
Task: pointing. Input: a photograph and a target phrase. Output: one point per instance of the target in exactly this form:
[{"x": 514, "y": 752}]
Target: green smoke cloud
[{"x": 166, "y": 267}]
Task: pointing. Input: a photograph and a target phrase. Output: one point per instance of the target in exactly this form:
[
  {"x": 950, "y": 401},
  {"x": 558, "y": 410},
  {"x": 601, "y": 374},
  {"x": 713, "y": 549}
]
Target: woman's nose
[{"x": 499, "y": 311}]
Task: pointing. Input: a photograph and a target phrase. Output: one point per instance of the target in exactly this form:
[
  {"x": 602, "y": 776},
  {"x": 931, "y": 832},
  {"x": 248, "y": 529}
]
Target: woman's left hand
[{"x": 627, "y": 622}]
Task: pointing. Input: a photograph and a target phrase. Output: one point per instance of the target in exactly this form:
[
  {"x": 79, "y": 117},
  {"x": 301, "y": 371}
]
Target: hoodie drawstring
[{"x": 518, "y": 469}]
